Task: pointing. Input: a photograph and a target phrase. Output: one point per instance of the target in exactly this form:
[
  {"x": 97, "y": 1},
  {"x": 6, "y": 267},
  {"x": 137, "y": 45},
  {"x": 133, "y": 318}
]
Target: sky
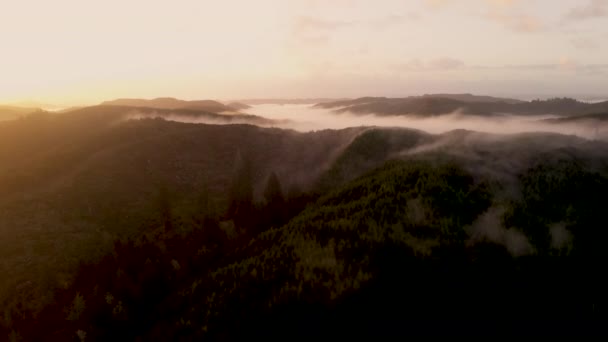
[{"x": 76, "y": 51}]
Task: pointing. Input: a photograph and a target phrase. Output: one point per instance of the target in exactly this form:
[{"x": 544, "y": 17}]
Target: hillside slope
[
  {"x": 172, "y": 103},
  {"x": 439, "y": 104},
  {"x": 75, "y": 183},
  {"x": 72, "y": 184},
  {"x": 404, "y": 250},
  {"x": 13, "y": 112}
]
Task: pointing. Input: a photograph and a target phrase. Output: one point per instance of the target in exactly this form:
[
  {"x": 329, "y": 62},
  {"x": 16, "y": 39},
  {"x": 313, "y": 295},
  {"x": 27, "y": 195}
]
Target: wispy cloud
[
  {"x": 592, "y": 10},
  {"x": 307, "y": 23},
  {"x": 504, "y": 3},
  {"x": 508, "y": 13},
  {"x": 436, "y": 4},
  {"x": 563, "y": 64},
  {"x": 439, "y": 64},
  {"x": 312, "y": 31},
  {"x": 318, "y": 31},
  {"x": 583, "y": 43},
  {"x": 518, "y": 22},
  {"x": 446, "y": 63},
  {"x": 393, "y": 20}
]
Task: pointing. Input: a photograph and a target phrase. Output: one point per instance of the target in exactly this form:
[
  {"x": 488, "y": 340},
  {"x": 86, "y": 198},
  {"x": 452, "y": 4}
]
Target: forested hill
[
  {"x": 172, "y": 103},
  {"x": 439, "y": 104},
  {"x": 73, "y": 183},
  {"x": 152, "y": 229},
  {"x": 409, "y": 249},
  {"x": 13, "y": 112}
]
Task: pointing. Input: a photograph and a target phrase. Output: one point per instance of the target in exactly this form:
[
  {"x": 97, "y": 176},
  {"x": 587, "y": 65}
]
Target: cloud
[
  {"x": 489, "y": 227},
  {"x": 594, "y": 69},
  {"x": 592, "y": 10},
  {"x": 561, "y": 237},
  {"x": 439, "y": 64},
  {"x": 502, "y": 2},
  {"x": 583, "y": 43},
  {"x": 311, "y": 31},
  {"x": 566, "y": 63},
  {"x": 393, "y": 20},
  {"x": 307, "y": 23},
  {"x": 522, "y": 23},
  {"x": 339, "y": 3},
  {"x": 500, "y": 11},
  {"x": 446, "y": 64},
  {"x": 314, "y": 39},
  {"x": 563, "y": 64},
  {"x": 437, "y": 4},
  {"x": 526, "y": 67}
]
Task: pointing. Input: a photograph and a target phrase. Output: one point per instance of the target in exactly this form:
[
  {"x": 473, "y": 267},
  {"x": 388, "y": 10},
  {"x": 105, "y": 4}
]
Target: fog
[
  {"x": 213, "y": 120},
  {"x": 306, "y": 118},
  {"x": 488, "y": 227}
]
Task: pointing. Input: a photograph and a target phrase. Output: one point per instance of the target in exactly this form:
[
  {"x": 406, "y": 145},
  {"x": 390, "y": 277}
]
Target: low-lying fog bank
[{"x": 306, "y": 118}]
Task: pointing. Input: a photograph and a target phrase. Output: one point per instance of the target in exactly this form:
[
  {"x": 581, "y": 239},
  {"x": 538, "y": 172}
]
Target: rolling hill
[
  {"x": 238, "y": 105},
  {"x": 445, "y": 210},
  {"x": 590, "y": 118},
  {"x": 13, "y": 112},
  {"x": 280, "y": 101},
  {"x": 439, "y": 104},
  {"x": 406, "y": 246},
  {"x": 72, "y": 183},
  {"x": 172, "y": 103}
]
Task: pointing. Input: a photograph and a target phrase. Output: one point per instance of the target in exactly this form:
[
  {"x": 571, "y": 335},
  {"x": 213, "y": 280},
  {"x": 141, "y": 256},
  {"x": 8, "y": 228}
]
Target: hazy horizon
[
  {"x": 67, "y": 52},
  {"x": 58, "y": 106}
]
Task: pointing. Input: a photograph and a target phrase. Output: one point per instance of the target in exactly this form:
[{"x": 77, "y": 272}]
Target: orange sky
[{"x": 74, "y": 51}]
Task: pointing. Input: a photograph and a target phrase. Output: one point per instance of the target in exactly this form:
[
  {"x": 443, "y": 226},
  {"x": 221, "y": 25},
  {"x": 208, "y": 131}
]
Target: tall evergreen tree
[
  {"x": 274, "y": 211},
  {"x": 164, "y": 207},
  {"x": 241, "y": 191},
  {"x": 273, "y": 193}
]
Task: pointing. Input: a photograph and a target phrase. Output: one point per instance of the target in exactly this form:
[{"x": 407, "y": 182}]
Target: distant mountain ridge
[
  {"x": 438, "y": 104},
  {"x": 473, "y": 98},
  {"x": 118, "y": 112},
  {"x": 173, "y": 103},
  {"x": 12, "y": 112},
  {"x": 238, "y": 105},
  {"x": 300, "y": 101}
]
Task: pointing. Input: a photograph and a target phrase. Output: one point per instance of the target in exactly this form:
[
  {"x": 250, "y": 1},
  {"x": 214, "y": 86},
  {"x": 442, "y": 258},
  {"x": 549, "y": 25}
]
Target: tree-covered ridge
[
  {"x": 389, "y": 250},
  {"x": 251, "y": 228},
  {"x": 73, "y": 183},
  {"x": 441, "y": 104},
  {"x": 367, "y": 151},
  {"x": 563, "y": 197},
  {"x": 320, "y": 256},
  {"x": 401, "y": 203}
]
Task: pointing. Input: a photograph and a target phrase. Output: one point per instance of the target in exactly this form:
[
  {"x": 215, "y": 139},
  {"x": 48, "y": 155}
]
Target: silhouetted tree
[
  {"x": 241, "y": 192},
  {"x": 204, "y": 207},
  {"x": 274, "y": 210},
  {"x": 273, "y": 193},
  {"x": 164, "y": 207}
]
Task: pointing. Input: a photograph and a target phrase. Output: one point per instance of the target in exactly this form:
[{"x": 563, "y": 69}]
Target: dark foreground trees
[{"x": 385, "y": 255}]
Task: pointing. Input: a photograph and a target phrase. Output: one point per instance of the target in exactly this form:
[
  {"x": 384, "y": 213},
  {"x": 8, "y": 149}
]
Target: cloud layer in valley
[{"x": 307, "y": 118}]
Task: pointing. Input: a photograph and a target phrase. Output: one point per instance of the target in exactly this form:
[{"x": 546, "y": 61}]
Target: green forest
[{"x": 172, "y": 231}]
